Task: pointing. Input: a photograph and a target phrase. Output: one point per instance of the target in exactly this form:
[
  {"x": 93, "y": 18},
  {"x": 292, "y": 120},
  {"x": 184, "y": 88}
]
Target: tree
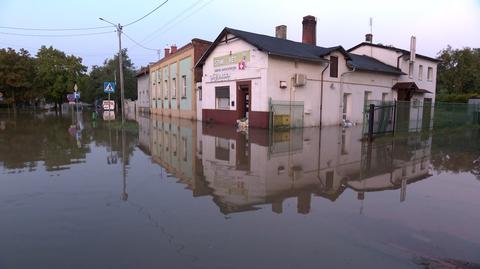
[
  {"x": 109, "y": 72},
  {"x": 17, "y": 74},
  {"x": 57, "y": 73},
  {"x": 459, "y": 71}
]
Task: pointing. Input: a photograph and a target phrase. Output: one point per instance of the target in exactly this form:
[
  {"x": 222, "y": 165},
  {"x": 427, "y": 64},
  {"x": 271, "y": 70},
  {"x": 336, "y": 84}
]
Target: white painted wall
[
  {"x": 390, "y": 57},
  {"x": 255, "y": 71},
  {"x": 143, "y": 91}
]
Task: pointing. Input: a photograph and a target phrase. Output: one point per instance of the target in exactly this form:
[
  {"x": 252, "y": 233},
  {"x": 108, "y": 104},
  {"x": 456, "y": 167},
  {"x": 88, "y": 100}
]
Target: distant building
[
  {"x": 143, "y": 90},
  {"x": 274, "y": 81},
  {"x": 173, "y": 81}
]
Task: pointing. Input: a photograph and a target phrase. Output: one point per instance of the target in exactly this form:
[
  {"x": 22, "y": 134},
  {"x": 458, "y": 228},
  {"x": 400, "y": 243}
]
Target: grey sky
[{"x": 435, "y": 23}]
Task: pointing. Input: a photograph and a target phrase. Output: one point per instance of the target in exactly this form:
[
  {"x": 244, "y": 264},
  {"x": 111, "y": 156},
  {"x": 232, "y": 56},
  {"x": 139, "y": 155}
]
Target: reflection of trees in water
[
  {"x": 457, "y": 152},
  {"x": 31, "y": 138}
]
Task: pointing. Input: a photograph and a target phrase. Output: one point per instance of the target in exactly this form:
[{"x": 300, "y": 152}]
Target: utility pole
[{"x": 120, "y": 63}]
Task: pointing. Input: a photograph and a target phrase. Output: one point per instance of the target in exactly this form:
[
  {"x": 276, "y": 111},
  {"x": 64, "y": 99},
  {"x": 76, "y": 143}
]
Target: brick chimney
[
  {"x": 281, "y": 31},
  {"x": 309, "y": 35},
  {"x": 369, "y": 38},
  {"x": 173, "y": 49},
  {"x": 167, "y": 52}
]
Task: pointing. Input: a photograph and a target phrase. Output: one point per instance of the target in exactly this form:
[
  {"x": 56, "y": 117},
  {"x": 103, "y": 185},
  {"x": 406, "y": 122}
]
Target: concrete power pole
[{"x": 120, "y": 63}]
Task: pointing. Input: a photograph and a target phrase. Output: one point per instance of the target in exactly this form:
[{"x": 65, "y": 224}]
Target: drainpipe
[
  {"x": 340, "y": 112},
  {"x": 398, "y": 60},
  {"x": 321, "y": 92}
]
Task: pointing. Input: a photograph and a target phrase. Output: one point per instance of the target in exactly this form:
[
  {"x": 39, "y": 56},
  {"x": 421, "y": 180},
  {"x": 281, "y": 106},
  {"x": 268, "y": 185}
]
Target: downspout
[
  {"x": 321, "y": 92},
  {"x": 340, "y": 112},
  {"x": 398, "y": 60}
]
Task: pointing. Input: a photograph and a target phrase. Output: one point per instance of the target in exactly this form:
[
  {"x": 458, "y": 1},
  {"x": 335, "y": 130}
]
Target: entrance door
[{"x": 243, "y": 98}]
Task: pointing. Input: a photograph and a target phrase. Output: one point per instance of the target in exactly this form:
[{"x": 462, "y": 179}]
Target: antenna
[{"x": 371, "y": 25}]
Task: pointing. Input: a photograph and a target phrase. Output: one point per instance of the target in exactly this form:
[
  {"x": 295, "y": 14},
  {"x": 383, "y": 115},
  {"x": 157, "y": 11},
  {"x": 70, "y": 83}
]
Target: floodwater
[{"x": 163, "y": 193}]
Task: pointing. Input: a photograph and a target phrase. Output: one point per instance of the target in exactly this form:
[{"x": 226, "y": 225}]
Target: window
[
  {"x": 430, "y": 74},
  {"x": 366, "y": 98},
  {"x": 153, "y": 77},
  {"x": 384, "y": 97},
  {"x": 410, "y": 70},
  {"x": 158, "y": 77},
  {"x": 420, "y": 72},
  {"x": 174, "y": 87},
  {"x": 222, "y": 97},
  {"x": 200, "y": 93},
  {"x": 165, "y": 88},
  {"x": 184, "y": 86},
  {"x": 333, "y": 66}
]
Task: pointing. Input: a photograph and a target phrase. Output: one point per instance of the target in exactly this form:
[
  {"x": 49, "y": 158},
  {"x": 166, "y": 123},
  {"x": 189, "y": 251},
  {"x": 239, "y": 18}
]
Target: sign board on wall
[{"x": 232, "y": 59}]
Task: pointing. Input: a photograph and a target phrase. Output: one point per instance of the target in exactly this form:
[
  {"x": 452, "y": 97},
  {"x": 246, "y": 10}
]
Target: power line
[
  {"x": 66, "y": 35},
  {"x": 135, "y": 21},
  {"x": 169, "y": 27},
  {"x": 171, "y": 21},
  {"x": 53, "y": 29},
  {"x": 138, "y": 44}
]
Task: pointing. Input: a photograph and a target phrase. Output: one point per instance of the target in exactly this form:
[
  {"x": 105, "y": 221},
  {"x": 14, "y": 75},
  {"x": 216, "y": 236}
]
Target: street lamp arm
[{"x": 102, "y": 19}]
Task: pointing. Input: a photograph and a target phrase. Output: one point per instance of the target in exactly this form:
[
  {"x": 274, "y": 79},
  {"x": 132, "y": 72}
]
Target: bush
[{"x": 457, "y": 98}]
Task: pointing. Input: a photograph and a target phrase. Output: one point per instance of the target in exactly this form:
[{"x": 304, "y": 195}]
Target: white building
[
  {"x": 275, "y": 81},
  {"x": 143, "y": 90}
]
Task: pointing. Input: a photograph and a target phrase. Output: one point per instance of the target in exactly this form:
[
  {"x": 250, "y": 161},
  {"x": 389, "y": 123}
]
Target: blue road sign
[
  {"x": 76, "y": 95},
  {"x": 109, "y": 87}
]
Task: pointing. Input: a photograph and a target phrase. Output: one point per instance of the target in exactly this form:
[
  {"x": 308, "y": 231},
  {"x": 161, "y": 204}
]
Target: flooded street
[{"x": 168, "y": 193}]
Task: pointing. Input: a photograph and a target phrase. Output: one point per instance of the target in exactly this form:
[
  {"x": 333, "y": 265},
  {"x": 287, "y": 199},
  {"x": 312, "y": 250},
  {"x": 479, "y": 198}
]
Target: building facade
[
  {"x": 173, "y": 80},
  {"x": 143, "y": 90},
  {"x": 274, "y": 81}
]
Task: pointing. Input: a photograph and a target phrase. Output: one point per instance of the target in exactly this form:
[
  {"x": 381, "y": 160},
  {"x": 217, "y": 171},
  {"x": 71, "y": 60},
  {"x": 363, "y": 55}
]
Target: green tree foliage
[
  {"x": 57, "y": 73},
  {"x": 458, "y": 76},
  {"x": 17, "y": 75},
  {"x": 108, "y": 72}
]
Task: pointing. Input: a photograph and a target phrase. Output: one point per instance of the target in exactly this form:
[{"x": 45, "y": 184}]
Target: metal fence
[
  {"x": 286, "y": 114},
  {"x": 404, "y": 116}
]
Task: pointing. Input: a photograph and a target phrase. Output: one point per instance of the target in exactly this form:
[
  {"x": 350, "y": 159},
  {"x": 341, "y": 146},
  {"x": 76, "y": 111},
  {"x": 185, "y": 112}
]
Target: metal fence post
[{"x": 371, "y": 115}]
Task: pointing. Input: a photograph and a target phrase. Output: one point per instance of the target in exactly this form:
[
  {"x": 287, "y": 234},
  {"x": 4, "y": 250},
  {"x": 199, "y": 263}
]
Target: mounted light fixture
[{"x": 283, "y": 84}]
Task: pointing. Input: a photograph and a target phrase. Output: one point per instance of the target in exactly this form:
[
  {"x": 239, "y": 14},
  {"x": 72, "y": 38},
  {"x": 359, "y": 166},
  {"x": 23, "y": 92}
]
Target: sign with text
[
  {"x": 108, "y": 105},
  {"x": 109, "y": 87},
  {"x": 232, "y": 59}
]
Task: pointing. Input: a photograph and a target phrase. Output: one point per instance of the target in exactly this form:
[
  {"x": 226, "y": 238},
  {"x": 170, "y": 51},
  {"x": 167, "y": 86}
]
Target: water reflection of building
[
  {"x": 173, "y": 145},
  {"x": 242, "y": 171}
]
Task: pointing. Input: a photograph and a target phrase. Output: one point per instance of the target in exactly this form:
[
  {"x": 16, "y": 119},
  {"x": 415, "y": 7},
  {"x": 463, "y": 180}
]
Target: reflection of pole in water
[
  {"x": 403, "y": 190},
  {"x": 124, "y": 167}
]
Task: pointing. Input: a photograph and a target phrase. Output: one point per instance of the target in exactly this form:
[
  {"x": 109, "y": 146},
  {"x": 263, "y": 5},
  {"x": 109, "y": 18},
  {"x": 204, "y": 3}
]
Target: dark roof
[
  {"x": 405, "y": 86},
  {"x": 367, "y": 63},
  {"x": 144, "y": 70},
  {"x": 410, "y": 86},
  {"x": 405, "y": 52},
  {"x": 276, "y": 46}
]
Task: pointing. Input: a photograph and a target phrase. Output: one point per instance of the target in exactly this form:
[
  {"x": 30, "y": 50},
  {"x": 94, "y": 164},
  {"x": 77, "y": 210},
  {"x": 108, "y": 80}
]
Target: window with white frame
[
  {"x": 410, "y": 70},
  {"x": 174, "y": 87},
  {"x": 420, "y": 72},
  {"x": 430, "y": 73},
  {"x": 153, "y": 77},
  {"x": 222, "y": 97},
  {"x": 184, "y": 86}
]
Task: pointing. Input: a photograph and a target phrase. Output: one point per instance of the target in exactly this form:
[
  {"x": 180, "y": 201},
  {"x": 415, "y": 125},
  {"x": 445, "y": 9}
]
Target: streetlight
[{"x": 120, "y": 63}]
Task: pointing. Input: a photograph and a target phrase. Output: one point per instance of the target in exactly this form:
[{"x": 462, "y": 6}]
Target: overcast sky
[{"x": 435, "y": 23}]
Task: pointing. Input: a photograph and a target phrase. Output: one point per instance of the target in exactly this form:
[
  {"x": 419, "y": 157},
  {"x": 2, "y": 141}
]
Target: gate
[
  {"x": 379, "y": 118},
  {"x": 286, "y": 114}
]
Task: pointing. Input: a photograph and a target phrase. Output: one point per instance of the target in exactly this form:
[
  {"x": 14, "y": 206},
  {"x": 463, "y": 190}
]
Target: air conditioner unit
[{"x": 300, "y": 80}]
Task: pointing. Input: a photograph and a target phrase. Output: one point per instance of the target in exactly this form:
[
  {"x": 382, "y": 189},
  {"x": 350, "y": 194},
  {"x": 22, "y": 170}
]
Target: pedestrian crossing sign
[{"x": 109, "y": 87}]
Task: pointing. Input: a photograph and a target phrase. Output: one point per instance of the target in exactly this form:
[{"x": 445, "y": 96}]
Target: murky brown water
[{"x": 162, "y": 193}]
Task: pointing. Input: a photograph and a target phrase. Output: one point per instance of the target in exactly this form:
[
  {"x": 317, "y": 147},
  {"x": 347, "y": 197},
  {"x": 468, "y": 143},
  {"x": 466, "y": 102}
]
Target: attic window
[{"x": 333, "y": 66}]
